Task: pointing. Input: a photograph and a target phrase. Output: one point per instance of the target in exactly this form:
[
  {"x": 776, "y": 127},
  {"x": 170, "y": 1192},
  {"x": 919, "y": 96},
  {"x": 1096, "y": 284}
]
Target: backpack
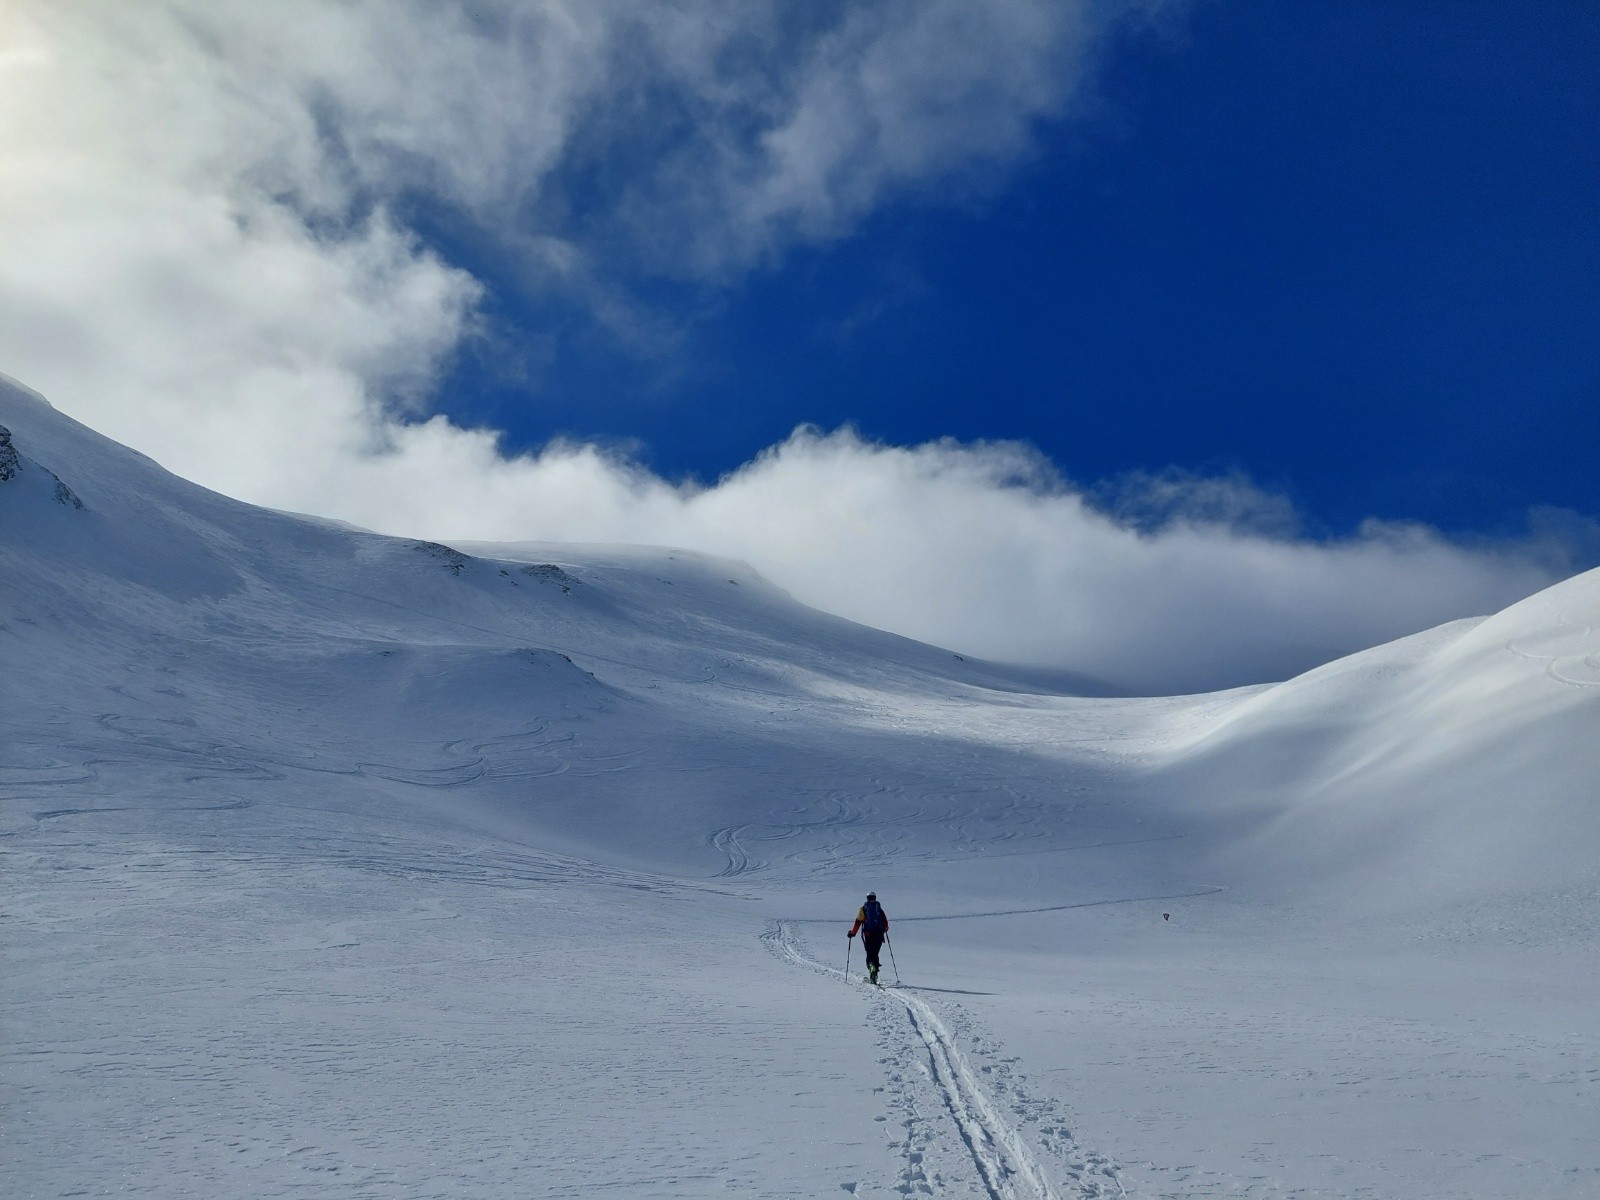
[{"x": 872, "y": 918}]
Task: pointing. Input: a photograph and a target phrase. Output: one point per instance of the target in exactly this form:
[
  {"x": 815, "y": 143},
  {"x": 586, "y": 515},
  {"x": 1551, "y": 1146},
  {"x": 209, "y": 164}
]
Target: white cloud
[
  {"x": 200, "y": 197},
  {"x": 903, "y": 92},
  {"x": 206, "y": 256}
]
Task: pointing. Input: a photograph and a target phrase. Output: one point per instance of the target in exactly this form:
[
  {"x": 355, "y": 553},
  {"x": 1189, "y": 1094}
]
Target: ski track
[
  {"x": 1571, "y": 654},
  {"x": 1006, "y": 1166}
]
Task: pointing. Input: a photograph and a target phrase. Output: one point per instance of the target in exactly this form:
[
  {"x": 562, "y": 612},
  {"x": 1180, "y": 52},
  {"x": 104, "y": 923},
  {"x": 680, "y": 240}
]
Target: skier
[{"x": 873, "y": 923}]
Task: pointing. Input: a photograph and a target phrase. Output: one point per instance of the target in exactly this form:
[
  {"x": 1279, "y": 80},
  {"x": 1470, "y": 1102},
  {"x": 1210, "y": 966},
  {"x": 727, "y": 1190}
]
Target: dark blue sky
[{"x": 1352, "y": 249}]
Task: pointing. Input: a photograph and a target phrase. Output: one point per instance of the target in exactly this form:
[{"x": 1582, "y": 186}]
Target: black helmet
[{"x": 872, "y": 895}]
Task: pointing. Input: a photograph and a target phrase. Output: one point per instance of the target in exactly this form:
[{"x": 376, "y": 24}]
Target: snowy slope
[
  {"x": 356, "y": 866},
  {"x": 1459, "y": 763}
]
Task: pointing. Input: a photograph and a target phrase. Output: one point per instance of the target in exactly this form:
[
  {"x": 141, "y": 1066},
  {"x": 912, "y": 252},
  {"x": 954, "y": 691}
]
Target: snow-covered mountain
[{"x": 350, "y": 865}]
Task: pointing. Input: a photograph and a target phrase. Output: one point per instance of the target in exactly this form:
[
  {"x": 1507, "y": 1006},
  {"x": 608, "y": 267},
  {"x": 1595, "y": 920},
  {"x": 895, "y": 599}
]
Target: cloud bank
[{"x": 209, "y": 212}]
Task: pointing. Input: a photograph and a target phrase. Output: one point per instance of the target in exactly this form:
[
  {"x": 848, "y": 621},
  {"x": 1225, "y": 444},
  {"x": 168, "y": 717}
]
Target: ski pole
[
  {"x": 890, "y": 942},
  {"x": 849, "y": 944}
]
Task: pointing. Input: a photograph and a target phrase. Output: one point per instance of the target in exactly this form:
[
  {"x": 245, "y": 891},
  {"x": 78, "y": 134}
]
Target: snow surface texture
[{"x": 341, "y": 865}]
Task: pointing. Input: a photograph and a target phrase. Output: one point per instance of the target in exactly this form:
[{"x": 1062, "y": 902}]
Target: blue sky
[
  {"x": 1350, "y": 249},
  {"x": 1181, "y": 343}
]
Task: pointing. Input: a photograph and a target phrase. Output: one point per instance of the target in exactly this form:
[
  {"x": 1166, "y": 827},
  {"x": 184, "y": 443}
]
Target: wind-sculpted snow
[{"x": 342, "y": 865}]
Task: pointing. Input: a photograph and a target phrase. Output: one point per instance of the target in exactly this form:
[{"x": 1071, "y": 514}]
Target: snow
[{"x": 345, "y": 865}]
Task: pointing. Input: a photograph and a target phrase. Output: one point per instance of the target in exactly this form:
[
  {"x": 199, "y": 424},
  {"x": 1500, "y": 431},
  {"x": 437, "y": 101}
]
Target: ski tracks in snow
[
  {"x": 1570, "y": 652},
  {"x": 1005, "y": 1165}
]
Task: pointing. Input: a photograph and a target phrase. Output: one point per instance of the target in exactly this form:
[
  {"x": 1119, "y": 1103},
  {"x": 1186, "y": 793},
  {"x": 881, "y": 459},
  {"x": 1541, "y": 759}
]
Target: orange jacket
[{"x": 861, "y": 919}]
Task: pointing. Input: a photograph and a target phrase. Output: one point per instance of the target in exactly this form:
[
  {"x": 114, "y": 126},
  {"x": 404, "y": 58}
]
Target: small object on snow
[{"x": 1166, "y": 916}]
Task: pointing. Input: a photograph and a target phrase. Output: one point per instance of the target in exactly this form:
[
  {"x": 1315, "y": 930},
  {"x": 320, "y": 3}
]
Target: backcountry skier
[{"x": 873, "y": 923}]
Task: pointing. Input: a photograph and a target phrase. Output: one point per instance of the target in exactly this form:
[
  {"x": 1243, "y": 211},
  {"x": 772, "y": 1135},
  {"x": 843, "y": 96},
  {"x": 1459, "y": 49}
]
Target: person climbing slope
[{"x": 873, "y": 923}]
